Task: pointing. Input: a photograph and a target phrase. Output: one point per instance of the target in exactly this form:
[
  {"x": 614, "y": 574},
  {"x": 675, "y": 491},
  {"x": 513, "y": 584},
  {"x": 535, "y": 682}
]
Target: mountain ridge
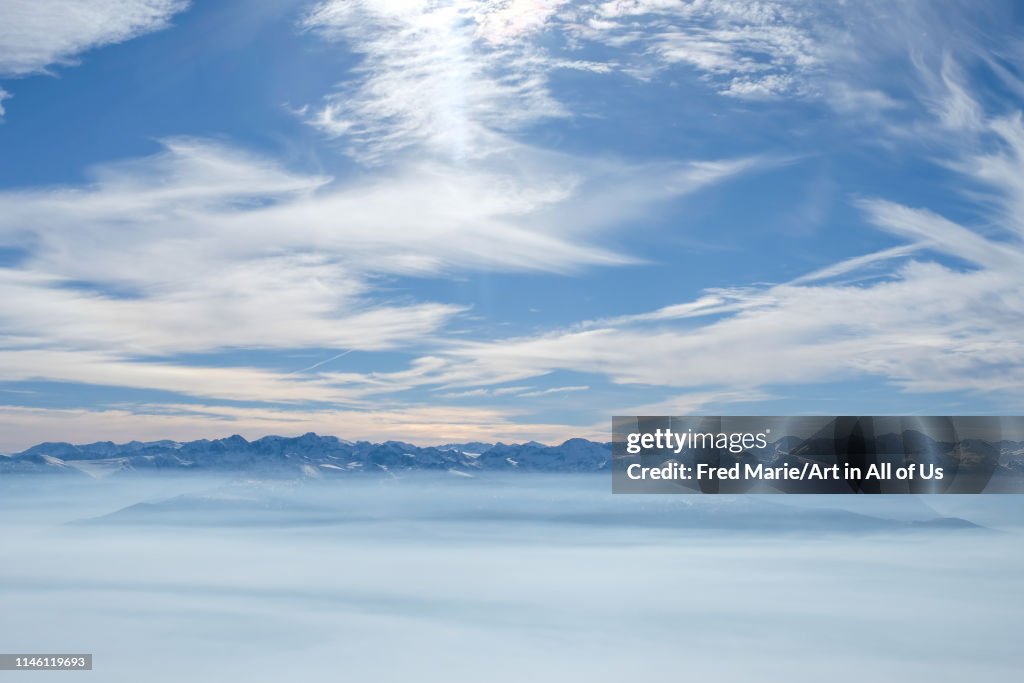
[{"x": 311, "y": 455}]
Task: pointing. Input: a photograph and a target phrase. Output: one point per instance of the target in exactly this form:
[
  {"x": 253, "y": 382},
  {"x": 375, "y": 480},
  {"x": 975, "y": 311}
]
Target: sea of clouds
[{"x": 508, "y": 578}]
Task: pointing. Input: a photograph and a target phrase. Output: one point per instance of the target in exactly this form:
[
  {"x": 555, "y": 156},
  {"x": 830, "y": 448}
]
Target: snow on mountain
[{"x": 309, "y": 456}]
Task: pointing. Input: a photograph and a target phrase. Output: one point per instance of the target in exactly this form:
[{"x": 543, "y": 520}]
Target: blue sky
[{"x": 444, "y": 221}]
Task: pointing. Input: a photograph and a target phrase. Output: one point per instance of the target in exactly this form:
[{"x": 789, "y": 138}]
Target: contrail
[{"x": 323, "y": 362}]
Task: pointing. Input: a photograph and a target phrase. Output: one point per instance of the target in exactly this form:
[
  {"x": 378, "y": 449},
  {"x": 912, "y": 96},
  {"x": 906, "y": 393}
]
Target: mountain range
[{"x": 309, "y": 455}]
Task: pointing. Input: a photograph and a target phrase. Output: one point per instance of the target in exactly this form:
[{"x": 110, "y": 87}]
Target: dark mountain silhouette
[{"x": 311, "y": 455}]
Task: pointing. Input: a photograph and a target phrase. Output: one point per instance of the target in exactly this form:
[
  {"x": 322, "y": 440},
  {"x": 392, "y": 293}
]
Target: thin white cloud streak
[
  {"x": 959, "y": 111},
  {"x": 930, "y": 330},
  {"x": 231, "y": 383},
  {"x": 319, "y": 364},
  {"x": 695, "y": 402},
  {"x": 517, "y": 392},
  {"x": 1001, "y": 169},
  {"x": 554, "y": 390},
  {"x": 715, "y": 302},
  {"x": 858, "y": 264},
  {"x": 942, "y": 235}
]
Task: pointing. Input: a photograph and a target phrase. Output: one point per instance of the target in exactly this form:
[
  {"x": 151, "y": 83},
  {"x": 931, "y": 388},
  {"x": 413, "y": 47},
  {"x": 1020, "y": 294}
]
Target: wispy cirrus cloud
[
  {"x": 452, "y": 78},
  {"x": 851, "y": 56},
  {"x": 461, "y": 79},
  {"x": 210, "y": 382},
  {"x": 747, "y": 49},
  {"x": 36, "y": 35},
  {"x": 941, "y": 312},
  {"x": 179, "y": 233},
  {"x": 517, "y": 392},
  {"x": 203, "y": 248}
]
